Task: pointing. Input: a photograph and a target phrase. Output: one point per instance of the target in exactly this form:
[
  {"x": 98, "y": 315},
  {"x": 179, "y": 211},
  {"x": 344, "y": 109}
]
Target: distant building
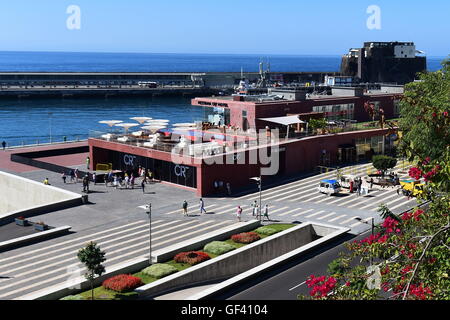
[{"x": 384, "y": 62}]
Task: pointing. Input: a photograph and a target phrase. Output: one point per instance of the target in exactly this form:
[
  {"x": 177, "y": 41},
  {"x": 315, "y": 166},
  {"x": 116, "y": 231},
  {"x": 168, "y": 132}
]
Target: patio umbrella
[
  {"x": 153, "y": 129},
  {"x": 141, "y": 120},
  {"x": 127, "y": 126},
  {"x": 110, "y": 123}
]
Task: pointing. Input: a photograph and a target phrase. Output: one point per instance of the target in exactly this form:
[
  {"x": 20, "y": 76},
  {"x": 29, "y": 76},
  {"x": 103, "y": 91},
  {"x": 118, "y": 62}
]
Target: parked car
[{"x": 329, "y": 187}]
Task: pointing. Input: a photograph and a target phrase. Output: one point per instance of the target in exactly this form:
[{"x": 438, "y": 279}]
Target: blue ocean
[{"x": 24, "y": 122}]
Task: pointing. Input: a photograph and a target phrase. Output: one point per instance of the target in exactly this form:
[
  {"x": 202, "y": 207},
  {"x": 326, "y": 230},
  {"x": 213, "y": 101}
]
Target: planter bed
[{"x": 101, "y": 293}]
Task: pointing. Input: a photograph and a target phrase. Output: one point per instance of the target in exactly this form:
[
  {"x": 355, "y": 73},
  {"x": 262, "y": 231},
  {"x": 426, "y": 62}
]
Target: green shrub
[
  {"x": 159, "y": 270},
  {"x": 267, "y": 231},
  {"x": 75, "y": 297},
  {"x": 217, "y": 248}
]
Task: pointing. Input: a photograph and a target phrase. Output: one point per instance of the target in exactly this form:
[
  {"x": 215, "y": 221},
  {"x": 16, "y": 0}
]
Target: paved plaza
[{"x": 117, "y": 220}]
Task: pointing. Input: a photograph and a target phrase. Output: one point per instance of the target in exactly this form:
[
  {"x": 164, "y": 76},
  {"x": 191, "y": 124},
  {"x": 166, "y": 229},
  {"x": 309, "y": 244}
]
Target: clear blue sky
[{"x": 326, "y": 27}]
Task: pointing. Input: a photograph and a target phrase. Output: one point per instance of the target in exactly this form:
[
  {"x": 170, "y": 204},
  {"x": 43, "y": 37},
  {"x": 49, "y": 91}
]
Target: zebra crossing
[
  {"x": 305, "y": 190},
  {"x": 26, "y": 270}
]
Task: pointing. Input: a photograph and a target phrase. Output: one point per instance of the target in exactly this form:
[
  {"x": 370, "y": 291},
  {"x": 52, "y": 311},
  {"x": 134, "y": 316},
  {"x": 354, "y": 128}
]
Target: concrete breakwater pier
[{"x": 110, "y": 84}]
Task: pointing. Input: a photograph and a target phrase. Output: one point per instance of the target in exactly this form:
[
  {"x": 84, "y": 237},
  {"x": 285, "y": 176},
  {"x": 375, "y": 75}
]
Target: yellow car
[{"x": 412, "y": 188}]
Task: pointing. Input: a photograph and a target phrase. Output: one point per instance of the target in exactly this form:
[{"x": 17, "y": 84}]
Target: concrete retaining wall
[
  {"x": 198, "y": 243},
  {"x": 79, "y": 284},
  {"x": 211, "y": 292},
  {"x": 238, "y": 261},
  {"x": 24, "y": 197},
  {"x": 18, "y": 242}
]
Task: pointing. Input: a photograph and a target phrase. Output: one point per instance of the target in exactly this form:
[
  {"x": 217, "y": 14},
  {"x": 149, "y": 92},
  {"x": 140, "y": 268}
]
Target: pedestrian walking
[
  {"x": 4, "y": 145},
  {"x": 143, "y": 186},
  {"x": 150, "y": 176},
  {"x": 88, "y": 162},
  {"x": 72, "y": 175},
  {"x": 185, "y": 208},
  {"x": 85, "y": 184},
  {"x": 127, "y": 180},
  {"x": 94, "y": 178},
  {"x": 255, "y": 209},
  {"x": 351, "y": 186},
  {"x": 371, "y": 183},
  {"x": 239, "y": 213},
  {"x": 116, "y": 182},
  {"x": 266, "y": 212},
  {"x": 63, "y": 176},
  {"x": 132, "y": 181},
  {"x": 202, "y": 206},
  {"x": 77, "y": 175}
]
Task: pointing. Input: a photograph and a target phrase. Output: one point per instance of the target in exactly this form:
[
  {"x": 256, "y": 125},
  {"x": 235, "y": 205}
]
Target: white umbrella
[
  {"x": 152, "y": 128},
  {"x": 110, "y": 123},
  {"x": 127, "y": 126},
  {"x": 141, "y": 120}
]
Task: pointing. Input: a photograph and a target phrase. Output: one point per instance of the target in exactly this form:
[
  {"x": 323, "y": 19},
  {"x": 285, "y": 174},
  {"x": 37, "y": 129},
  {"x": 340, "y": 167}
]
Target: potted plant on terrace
[
  {"x": 40, "y": 226},
  {"x": 21, "y": 221}
]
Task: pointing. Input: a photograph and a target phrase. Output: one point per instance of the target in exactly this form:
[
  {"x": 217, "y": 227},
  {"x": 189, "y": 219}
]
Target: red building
[{"x": 198, "y": 158}]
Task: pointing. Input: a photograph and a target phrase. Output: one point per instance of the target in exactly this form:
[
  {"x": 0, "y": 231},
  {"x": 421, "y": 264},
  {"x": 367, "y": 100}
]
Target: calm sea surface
[{"x": 32, "y": 121}]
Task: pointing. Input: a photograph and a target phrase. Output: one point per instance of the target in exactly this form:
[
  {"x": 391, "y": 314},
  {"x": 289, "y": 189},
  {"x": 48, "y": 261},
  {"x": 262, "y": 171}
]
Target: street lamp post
[
  {"x": 149, "y": 212},
  {"x": 259, "y": 181}
]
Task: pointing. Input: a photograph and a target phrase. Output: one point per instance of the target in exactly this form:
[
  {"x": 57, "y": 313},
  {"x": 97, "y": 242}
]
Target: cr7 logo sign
[
  {"x": 180, "y": 171},
  {"x": 129, "y": 160}
]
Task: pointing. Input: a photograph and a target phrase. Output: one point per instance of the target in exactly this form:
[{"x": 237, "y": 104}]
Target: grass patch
[
  {"x": 101, "y": 293},
  {"x": 272, "y": 229}
]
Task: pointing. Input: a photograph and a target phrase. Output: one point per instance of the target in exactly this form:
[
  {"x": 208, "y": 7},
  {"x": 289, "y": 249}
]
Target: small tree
[
  {"x": 384, "y": 163},
  {"x": 92, "y": 257},
  {"x": 318, "y": 123}
]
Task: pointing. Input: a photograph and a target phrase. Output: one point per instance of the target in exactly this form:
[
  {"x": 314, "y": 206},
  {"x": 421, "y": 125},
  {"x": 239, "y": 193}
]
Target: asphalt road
[{"x": 288, "y": 281}]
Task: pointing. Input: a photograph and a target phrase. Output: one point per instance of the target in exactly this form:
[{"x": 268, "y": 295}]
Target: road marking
[
  {"x": 315, "y": 214},
  {"x": 181, "y": 209},
  {"x": 297, "y": 286},
  {"x": 358, "y": 223},
  {"x": 349, "y": 220},
  {"x": 114, "y": 239},
  {"x": 101, "y": 244},
  {"x": 289, "y": 212},
  {"x": 337, "y": 218},
  {"x": 399, "y": 205},
  {"x": 109, "y": 260},
  {"x": 140, "y": 222},
  {"x": 277, "y": 210},
  {"x": 67, "y": 275},
  {"x": 302, "y": 213},
  {"x": 228, "y": 210},
  {"x": 297, "y": 183},
  {"x": 390, "y": 202},
  {"x": 327, "y": 216}
]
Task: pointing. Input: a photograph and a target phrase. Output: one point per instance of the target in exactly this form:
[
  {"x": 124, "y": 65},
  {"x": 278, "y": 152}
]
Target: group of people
[
  {"x": 360, "y": 187},
  {"x": 255, "y": 210},
  {"x": 74, "y": 175}
]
